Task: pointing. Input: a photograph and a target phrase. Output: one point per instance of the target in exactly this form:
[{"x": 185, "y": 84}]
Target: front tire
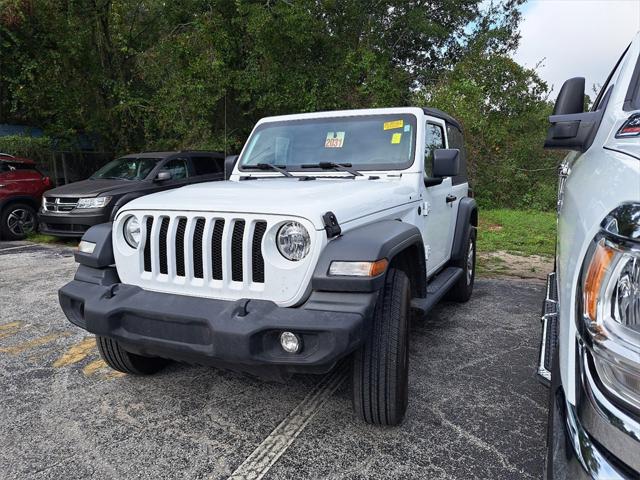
[
  {"x": 463, "y": 288},
  {"x": 380, "y": 368},
  {"x": 119, "y": 359},
  {"x": 17, "y": 221}
]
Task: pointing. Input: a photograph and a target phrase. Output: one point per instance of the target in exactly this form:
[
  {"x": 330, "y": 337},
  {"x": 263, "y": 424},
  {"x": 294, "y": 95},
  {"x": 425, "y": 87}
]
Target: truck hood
[
  {"x": 347, "y": 198},
  {"x": 94, "y": 188}
]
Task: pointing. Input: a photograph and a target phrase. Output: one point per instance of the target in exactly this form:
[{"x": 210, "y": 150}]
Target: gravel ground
[{"x": 476, "y": 410}]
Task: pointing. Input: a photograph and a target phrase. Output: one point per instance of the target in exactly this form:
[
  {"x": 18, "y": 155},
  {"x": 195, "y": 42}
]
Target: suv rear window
[{"x": 203, "y": 165}]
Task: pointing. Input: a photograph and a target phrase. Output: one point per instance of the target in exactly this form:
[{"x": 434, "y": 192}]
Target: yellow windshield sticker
[
  {"x": 396, "y": 137},
  {"x": 393, "y": 125},
  {"x": 334, "y": 140}
]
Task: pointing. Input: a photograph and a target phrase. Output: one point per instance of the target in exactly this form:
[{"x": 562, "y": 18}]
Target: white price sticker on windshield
[{"x": 334, "y": 140}]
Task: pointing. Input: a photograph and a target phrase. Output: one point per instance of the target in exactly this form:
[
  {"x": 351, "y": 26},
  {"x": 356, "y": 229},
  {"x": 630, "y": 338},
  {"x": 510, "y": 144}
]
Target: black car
[{"x": 69, "y": 210}]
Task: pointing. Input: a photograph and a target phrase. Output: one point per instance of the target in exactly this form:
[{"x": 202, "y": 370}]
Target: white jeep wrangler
[{"x": 331, "y": 229}]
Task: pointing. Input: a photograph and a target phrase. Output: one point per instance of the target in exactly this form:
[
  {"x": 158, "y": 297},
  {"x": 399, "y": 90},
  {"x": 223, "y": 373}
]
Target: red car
[{"x": 21, "y": 189}]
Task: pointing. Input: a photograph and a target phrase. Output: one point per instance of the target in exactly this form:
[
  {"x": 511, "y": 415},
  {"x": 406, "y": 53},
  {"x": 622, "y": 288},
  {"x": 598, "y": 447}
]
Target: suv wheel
[
  {"x": 380, "y": 368},
  {"x": 17, "y": 221},
  {"x": 119, "y": 359},
  {"x": 463, "y": 288}
]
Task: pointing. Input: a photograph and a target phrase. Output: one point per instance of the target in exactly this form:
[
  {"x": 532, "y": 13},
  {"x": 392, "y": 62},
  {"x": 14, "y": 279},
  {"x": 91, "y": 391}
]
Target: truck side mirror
[
  {"x": 163, "y": 175},
  {"x": 571, "y": 127},
  {"x": 446, "y": 162},
  {"x": 571, "y": 97},
  {"x": 229, "y": 165}
]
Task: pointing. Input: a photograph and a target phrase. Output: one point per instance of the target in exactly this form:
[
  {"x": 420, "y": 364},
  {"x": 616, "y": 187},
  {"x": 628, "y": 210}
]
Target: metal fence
[{"x": 68, "y": 166}]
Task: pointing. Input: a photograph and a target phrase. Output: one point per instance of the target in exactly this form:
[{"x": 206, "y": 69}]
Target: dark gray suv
[{"x": 69, "y": 210}]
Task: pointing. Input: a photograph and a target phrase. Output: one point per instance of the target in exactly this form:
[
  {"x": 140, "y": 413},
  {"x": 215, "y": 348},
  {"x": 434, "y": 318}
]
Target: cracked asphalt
[{"x": 476, "y": 410}]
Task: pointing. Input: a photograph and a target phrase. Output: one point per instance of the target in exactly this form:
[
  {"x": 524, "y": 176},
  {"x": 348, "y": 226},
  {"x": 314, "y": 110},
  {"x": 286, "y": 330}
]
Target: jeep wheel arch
[{"x": 400, "y": 243}]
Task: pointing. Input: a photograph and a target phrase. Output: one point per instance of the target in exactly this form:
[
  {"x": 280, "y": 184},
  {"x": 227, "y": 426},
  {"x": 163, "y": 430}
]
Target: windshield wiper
[
  {"x": 268, "y": 166},
  {"x": 343, "y": 167}
]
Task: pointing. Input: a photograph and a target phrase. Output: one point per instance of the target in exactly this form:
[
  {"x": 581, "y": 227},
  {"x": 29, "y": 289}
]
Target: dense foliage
[{"x": 147, "y": 74}]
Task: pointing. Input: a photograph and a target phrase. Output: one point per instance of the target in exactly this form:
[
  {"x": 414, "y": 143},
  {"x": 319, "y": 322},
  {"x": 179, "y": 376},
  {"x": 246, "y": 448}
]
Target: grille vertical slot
[
  {"x": 236, "y": 250},
  {"x": 162, "y": 244},
  {"x": 216, "y": 249},
  {"x": 147, "y": 246},
  {"x": 257, "y": 260},
  {"x": 180, "y": 231},
  {"x": 198, "y": 233}
]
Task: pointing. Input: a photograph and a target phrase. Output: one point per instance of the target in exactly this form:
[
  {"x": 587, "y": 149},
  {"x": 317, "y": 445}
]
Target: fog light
[
  {"x": 86, "y": 247},
  {"x": 290, "y": 342}
]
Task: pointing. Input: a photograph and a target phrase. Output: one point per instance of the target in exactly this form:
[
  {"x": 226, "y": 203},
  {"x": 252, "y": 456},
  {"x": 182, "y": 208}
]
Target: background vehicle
[
  {"x": 69, "y": 210},
  {"x": 332, "y": 228},
  {"x": 590, "y": 348},
  {"x": 21, "y": 188}
]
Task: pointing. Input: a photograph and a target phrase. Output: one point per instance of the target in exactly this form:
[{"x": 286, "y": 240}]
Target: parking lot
[{"x": 476, "y": 409}]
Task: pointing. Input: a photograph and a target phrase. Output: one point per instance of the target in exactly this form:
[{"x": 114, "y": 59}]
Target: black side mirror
[
  {"x": 163, "y": 175},
  {"x": 571, "y": 127},
  {"x": 571, "y": 97},
  {"x": 446, "y": 162},
  {"x": 229, "y": 164}
]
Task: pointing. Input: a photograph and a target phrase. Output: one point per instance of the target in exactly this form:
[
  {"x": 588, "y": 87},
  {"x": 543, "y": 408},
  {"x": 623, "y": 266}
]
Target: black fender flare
[
  {"x": 102, "y": 255},
  {"x": 375, "y": 241},
  {"x": 467, "y": 218}
]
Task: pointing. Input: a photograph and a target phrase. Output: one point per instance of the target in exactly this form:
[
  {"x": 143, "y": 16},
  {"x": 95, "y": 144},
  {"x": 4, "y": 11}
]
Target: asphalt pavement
[{"x": 476, "y": 410}]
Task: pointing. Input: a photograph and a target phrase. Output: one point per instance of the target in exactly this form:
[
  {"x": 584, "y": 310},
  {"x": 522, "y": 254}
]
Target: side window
[
  {"x": 177, "y": 167},
  {"x": 434, "y": 138},
  {"x": 207, "y": 165}
]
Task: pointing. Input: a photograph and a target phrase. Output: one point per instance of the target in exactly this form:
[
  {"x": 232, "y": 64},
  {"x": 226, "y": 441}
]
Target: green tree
[{"x": 504, "y": 109}]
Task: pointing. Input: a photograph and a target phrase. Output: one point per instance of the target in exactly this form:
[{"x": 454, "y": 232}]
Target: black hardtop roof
[
  {"x": 169, "y": 154},
  {"x": 435, "y": 112}
]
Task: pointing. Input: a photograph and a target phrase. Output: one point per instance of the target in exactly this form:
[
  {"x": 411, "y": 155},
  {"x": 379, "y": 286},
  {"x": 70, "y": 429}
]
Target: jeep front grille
[{"x": 182, "y": 247}]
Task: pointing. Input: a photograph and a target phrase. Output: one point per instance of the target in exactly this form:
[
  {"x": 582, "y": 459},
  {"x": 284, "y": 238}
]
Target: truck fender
[
  {"x": 467, "y": 218},
  {"x": 383, "y": 239}
]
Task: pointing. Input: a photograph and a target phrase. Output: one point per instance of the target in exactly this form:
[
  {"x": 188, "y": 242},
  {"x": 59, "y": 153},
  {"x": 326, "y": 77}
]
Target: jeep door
[{"x": 437, "y": 213}]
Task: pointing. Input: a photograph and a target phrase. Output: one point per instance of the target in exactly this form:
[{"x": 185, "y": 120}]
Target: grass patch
[
  {"x": 42, "y": 238},
  {"x": 517, "y": 231}
]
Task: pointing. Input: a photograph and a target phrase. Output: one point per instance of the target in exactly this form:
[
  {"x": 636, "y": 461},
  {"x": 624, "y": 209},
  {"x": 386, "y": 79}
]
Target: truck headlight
[
  {"x": 131, "y": 231},
  {"x": 293, "y": 241},
  {"x": 97, "y": 202},
  {"x": 610, "y": 287}
]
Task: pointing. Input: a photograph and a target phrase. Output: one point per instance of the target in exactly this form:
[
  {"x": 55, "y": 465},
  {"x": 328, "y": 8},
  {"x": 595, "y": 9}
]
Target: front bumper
[
  {"x": 241, "y": 334},
  {"x": 68, "y": 224}
]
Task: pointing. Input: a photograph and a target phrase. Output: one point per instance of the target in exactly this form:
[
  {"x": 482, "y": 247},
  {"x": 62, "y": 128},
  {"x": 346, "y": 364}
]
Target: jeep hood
[{"x": 349, "y": 199}]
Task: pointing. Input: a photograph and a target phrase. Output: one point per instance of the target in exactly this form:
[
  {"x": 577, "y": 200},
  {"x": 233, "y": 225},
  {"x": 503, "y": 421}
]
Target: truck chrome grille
[{"x": 244, "y": 254}]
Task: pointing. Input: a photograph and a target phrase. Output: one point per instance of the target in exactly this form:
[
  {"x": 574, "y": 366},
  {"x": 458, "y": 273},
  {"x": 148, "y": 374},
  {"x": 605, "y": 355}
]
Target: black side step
[{"x": 437, "y": 288}]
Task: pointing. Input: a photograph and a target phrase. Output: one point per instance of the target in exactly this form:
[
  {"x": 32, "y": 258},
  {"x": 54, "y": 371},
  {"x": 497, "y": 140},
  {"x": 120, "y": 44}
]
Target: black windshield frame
[{"x": 407, "y": 117}]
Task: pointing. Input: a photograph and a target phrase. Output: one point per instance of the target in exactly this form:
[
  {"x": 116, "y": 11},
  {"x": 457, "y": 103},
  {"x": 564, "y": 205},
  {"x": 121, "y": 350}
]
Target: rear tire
[
  {"x": 17, "y": 220},
  {"x": 463, "y": 288},
  {"x": 119, "y": 359},
  {"x": 380, "y": 368}
]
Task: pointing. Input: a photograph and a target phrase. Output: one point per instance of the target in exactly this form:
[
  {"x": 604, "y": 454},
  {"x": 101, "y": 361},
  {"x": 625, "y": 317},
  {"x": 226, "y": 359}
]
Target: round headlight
[
  {"x": 293, "y": 241},
  {"x": 131, "y": 231}
]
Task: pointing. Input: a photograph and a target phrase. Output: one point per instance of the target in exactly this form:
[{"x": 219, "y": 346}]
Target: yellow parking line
[
  {"x": 9, "y": 329},
  {"x": 36, "y": 342},
  {"x": 93, "y": 367},
  {"x": 76, "y": 353}
]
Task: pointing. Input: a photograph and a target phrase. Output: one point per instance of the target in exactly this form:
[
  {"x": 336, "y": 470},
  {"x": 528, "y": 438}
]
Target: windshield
[
  {"x": 375, "y": 142},
  {"x": 127, "y": 168}
]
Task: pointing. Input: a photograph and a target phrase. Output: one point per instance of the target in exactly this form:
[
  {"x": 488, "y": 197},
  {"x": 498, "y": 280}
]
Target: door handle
[{"x": 451, "y": 198}]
